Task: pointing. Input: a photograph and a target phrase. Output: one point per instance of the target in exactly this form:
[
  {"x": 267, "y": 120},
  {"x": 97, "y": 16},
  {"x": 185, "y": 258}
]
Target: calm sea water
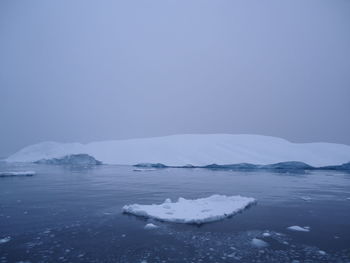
[{"x": 65, "y": 214}]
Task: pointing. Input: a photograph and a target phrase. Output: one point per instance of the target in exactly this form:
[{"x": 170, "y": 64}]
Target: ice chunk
[
  {"x": 151, "y": 226},
  {"x": 299, "y": 228},
  {"x": 72, "y": 159},
  {"x": 144, "y": 169},
  {"x": 212, "y": 208},
  {"x": 21, "y": 173},
  {"x": 259, "y": 243},
  {"x": 306, "y": 198},
  {"x": 5, "y": 240},
  {"x": 266, "y": 234}
]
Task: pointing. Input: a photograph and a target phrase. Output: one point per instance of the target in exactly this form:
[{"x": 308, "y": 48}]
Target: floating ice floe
[
  {"x": 259, "y": 243},
  {"x": 150, "y": 226},
  {"x": 306, "y": 198},
  {"x": 299, "y": 228},
  {"x": 5, "y": 240},
  {"x": 197, "y": 211},
  {"x": 266, "y": 234},
  {"x": 144, "y": 169},
  {"x": 21, "y": 173}
]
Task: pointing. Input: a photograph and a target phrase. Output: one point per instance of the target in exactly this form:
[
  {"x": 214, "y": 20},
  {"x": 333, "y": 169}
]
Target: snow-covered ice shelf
[
  {"x": 197, "y": 211},
  {"x": 196, "y": 150}
]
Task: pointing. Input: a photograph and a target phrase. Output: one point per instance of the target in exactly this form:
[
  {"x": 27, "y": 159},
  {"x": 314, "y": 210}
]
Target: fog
[{"x": 81, "y": 71}]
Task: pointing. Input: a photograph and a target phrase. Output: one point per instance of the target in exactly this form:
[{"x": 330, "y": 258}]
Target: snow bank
[
  {"x": 197, "y": 150},
  {"x": 203, "y": 210},
  {"x": 299, "y": 228},
  {"x": 22, "y": 173}
]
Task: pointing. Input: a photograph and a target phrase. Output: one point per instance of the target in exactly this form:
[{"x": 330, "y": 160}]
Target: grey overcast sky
[{"x": 94, "y": 70}]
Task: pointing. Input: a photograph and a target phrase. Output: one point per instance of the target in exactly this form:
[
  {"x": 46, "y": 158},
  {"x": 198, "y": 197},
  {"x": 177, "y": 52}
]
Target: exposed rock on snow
[
  {"x": 197, "y": 150},
  {"x": 299, "y": 228},
  {"x": 73, "y": 159},
  {"x": 21, "y": 173},
  {"x": 197, "y": 211}
]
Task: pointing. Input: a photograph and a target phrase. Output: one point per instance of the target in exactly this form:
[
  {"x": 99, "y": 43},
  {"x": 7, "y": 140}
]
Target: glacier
[
  {"x": 196, "y": 211},
  {"x": 194, "y": 150}
]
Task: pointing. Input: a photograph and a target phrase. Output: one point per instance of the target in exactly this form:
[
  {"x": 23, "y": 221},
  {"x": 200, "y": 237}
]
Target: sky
[{"x": 82, "y": 71}]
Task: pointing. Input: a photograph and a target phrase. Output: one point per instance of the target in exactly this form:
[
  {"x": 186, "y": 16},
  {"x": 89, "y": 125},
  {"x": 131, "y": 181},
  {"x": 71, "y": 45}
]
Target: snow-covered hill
[{"x": 179, "y": 150}]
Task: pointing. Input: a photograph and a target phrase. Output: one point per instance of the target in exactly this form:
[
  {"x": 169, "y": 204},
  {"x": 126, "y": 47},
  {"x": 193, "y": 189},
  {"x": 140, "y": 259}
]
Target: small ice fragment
[
  {"x": 20, "y": 173},
  {"x": 266, "y": 234},
  {"x": 299, "y": 228},
  {"x": 143, "y": 169},
  {"x": 306, "y": 198},
  {"x": 5, "y": 240},
  {"x": 123, "y": 235},
  {"x": 321, "y": 252},
  {"x": 150, "y": 226},
  {"x": 259, "y": 243}
]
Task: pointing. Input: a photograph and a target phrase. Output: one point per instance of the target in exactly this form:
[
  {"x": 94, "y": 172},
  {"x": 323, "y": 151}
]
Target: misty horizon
[{"x": 84, "y": 71}]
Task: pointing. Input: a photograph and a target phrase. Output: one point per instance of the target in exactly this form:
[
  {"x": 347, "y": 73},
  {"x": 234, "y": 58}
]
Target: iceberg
[
  {"x": 21, "y": 173},
  {"x": 197, "y": 211},
  {"x": 198, "y": 150}
]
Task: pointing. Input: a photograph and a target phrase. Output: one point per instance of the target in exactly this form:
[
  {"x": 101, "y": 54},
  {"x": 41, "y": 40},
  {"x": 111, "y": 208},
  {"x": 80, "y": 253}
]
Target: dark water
[{"x": 67, "y": 214}]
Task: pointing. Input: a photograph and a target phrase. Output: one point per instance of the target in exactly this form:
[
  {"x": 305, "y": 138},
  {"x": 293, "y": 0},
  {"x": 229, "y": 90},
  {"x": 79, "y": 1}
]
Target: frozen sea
[{"x": 72, "y": 214}]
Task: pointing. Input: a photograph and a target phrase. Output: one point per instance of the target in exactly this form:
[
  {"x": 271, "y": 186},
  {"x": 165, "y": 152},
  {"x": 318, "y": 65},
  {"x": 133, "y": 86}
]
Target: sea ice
[
  {"x": 21, "y": 173},
  {"x": 150, "y": 226},
  {"x": 5, "y": 240},
  {"x": 259, "y": 243},
  {"x": 144, "y": 169},
  {"x": 299, "y": 228},
  {"x": 306, "y": 198},
  {"x": 197, "y": 211}
]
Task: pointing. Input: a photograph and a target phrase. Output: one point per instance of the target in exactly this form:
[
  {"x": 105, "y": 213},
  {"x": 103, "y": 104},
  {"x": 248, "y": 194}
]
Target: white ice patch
[
  {"x": 259, "y": 243},
  {"x": 5, "y": 240},
  {"x": 150, "y": 226},
  {"x": 299, "y": 228},
  {"x": 306, "y": 198},
  {"x": 21, "y": 173},
  {"x": 203, "y": 210}
]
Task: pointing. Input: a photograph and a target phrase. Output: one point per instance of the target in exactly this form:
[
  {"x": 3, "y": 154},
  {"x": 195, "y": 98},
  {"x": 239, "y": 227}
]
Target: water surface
[{"x": 71, "y": 214}]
